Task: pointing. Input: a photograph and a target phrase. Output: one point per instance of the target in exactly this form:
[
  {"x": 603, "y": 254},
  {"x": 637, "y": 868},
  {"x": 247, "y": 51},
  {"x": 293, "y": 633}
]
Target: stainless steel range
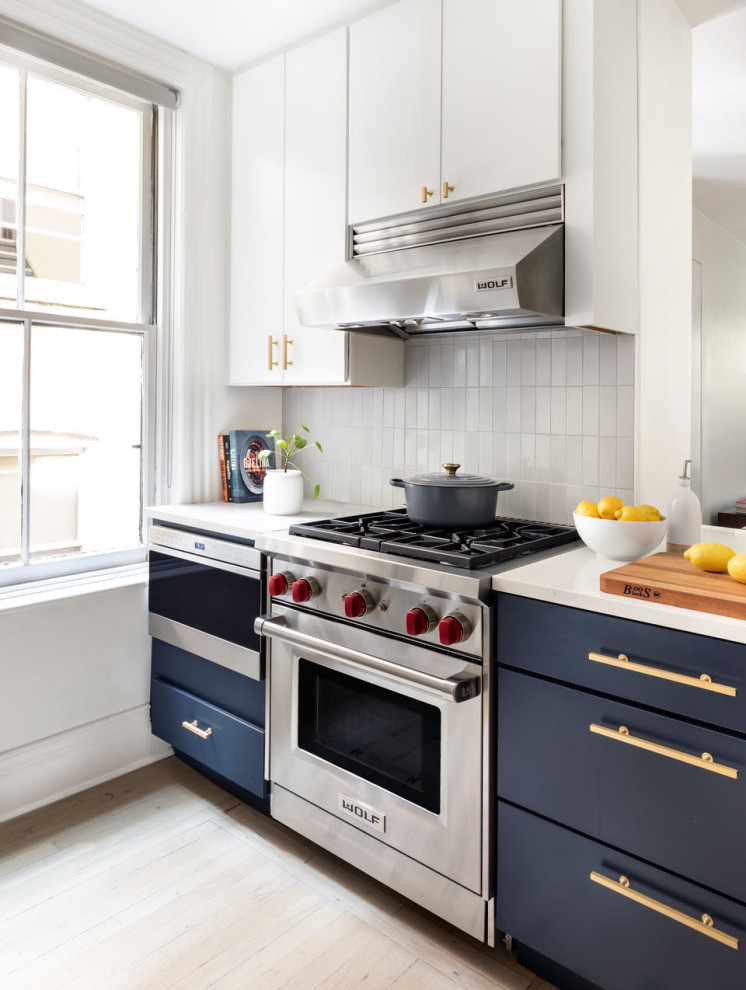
[{"x": 381, "y": 742}]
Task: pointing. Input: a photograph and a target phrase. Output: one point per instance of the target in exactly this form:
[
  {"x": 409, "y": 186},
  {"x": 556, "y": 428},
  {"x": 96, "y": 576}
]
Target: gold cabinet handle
[
  {"x": 704, "y": 927},
  {"x": 704, "y": 681},
  {"x": 425, "y": 193},
  {"x": 704, "y": 762},
  {"x": 193, "y": 727},
  {"x": 285, "y": 341},
  {"x": 446, "y": 189},
  {"x": 271, "y": 342}
]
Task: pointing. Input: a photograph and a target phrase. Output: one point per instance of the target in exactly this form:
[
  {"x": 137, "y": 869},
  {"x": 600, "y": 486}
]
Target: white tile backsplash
[{"x": 552, "y": 412}]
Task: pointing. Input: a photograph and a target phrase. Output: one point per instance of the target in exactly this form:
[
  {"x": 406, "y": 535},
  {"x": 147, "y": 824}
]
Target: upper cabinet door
[
  {"x": 256, "y": 226},
  {"x": 315, "y": 216},
  {"x": 395, "y": 109},
  {"x": 501, "y": 94}
]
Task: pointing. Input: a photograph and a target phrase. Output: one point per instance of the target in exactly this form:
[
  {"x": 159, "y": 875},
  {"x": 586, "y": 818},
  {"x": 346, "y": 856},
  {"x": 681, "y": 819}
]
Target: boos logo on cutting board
[{"x": 640, "y": 591}]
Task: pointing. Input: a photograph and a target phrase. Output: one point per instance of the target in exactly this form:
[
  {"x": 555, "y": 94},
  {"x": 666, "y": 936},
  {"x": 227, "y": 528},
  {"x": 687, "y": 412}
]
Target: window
[{"x": 77, "y": 319}]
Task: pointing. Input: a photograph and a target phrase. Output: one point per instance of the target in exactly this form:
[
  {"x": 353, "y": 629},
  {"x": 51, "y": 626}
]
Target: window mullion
[
  {"x": 21, "y": 192},
  {"x": 26, "y": 445}
]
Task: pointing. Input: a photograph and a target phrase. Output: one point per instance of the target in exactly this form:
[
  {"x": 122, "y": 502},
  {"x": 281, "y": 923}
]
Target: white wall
[
  {"x": 75, "y": 671},
  {"x": 722, "y": 469},
  {"x": 663, "y": 438}
]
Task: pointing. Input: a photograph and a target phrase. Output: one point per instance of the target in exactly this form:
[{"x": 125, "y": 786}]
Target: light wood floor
[{"x": 160, "y": 879}]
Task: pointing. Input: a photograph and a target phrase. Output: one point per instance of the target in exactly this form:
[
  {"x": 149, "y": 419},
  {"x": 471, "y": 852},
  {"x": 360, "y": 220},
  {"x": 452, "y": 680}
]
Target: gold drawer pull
[
  {"x": 271, "y": 342},
  {"x": 193, "y": 727},
  {"x": 447, "y": 188},
  {"x": 425, "y": 193},
  {"x": 704, "y": 762},
  {"x": 705, "y": 926},
  {"x": 285, "y": 341},
  {"x": 704, "y": 681}
]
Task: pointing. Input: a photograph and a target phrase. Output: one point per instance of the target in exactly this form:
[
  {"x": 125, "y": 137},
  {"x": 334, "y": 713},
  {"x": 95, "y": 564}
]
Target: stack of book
[
  {"x": 241, "y": 473},
  {"x": 740, "y": 505}
]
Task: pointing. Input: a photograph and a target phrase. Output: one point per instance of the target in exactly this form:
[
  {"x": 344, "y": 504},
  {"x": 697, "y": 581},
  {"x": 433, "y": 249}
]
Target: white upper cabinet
[
  {"x": 256, "y": 225},
  {"x": 315, "y": 214},
  {"x": 501, "y": 95},
  {"x": 288, "y": 223},
  {"x": 395, "y": 110},
  {"x": 452, "y": 99}
]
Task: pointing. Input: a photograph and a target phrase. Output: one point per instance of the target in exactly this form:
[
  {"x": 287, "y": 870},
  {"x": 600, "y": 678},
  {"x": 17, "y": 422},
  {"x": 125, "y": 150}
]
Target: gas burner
[{"x": 394, "y": 533}]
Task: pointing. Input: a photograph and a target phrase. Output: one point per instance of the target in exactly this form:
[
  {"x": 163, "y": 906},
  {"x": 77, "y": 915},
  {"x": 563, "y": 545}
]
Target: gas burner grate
[{"x": 394, "y": 533}]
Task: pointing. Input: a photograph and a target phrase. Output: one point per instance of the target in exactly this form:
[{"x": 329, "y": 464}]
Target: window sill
[{"x": 72, "y": 586}]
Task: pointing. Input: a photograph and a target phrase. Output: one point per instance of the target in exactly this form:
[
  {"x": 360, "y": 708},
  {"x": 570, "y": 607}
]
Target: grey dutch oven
[{"x": 466, "y": 501}]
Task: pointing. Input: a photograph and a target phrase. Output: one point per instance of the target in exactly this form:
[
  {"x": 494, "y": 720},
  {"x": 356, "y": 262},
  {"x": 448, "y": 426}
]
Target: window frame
[{"x": 155, "y": 170}]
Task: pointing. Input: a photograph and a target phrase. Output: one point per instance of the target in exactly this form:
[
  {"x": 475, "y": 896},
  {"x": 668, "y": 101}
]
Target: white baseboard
[{"x": 53, "y": 768}]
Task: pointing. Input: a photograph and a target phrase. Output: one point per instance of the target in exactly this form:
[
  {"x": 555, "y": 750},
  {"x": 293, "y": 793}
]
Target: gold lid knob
[{"x": 451, "y": 469}]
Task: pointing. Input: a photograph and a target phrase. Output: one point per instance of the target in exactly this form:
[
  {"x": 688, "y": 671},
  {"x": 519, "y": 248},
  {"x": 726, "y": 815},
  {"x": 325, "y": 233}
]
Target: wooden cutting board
[{"x": 669, "y": 579}]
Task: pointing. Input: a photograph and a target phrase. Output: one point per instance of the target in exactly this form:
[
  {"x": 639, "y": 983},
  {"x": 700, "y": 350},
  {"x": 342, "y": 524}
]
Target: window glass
[
  {"x": 9, "y": 81},
  {"x": 11, "y": 378},
  {"x": 86, "y": 395},
  {"x": 83, "y": 165}
]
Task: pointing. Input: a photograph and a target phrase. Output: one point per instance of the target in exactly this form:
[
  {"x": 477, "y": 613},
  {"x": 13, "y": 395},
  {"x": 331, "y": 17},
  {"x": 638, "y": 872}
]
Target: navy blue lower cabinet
[
  {"x": 561, "y": 754},
  {"x": 218, "y": 685},
  {"x": 609, "y": 917},
  {"x": 213, "y": 737},
  {"x": 555, "y": 641}
]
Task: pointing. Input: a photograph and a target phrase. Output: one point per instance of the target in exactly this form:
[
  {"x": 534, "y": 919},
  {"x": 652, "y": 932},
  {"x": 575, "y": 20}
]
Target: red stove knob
[
  {"x": 279, "y": 583},
  {"x": 453, "y": 629},
  {"x": 358, "y": 603},
  {"x": 420, "y": 620},
  {"x": 305, "y": 589}
]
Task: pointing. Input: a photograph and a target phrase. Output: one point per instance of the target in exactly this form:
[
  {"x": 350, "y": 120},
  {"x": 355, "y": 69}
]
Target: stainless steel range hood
[{"x": 459, "y": 269}]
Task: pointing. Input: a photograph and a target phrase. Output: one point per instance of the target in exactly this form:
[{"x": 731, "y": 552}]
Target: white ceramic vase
[{"x": 283, "y": 492}]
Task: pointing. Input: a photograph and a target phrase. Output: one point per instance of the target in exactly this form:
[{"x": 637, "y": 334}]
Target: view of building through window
[{"x": 71, "y": 394}]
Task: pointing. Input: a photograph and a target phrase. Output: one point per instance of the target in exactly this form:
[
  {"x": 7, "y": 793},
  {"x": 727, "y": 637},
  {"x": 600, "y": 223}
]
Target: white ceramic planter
[{"x": 283, "y": 493}]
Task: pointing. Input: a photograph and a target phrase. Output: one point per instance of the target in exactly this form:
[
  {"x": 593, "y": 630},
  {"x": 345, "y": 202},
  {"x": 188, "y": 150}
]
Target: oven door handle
[{"x": 461, "y": 688}]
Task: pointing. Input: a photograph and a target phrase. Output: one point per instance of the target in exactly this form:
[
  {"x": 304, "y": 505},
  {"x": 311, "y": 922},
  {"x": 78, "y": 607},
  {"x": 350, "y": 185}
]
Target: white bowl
[{"x": 619, "y": 540}]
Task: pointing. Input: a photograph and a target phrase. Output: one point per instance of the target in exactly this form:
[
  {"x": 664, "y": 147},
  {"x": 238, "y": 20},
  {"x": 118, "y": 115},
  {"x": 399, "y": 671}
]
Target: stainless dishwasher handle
[{"x": 456, "y": 689}]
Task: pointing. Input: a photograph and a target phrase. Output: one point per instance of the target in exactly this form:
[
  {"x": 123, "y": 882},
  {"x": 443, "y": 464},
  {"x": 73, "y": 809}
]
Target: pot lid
[{"x": 436, "y": 479}]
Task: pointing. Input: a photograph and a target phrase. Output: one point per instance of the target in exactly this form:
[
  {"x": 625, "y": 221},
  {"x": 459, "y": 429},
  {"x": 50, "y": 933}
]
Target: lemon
[
  {"x": 608, "y": 506},
  {"x": 630, "y": 513},
  {"x": 650, "y": 512},
  {"x": 737, "y": 567},
  {"x": 710, "y": 556},
  {"x": 585, "y": 508}
]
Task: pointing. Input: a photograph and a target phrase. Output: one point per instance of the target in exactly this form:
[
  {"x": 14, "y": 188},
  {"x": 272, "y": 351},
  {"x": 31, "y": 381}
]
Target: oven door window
[
  {"x": 221, "y": 603},
  {"x": 384, "y": 737}
]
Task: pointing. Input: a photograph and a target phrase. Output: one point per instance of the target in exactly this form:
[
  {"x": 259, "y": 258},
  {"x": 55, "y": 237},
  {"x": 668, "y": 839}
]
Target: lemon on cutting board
[
  {"x": 586, "y": 508},
  {"x": 630, "y": 513},
  {"x": 609, "y": 506},
  {"x": 710, "y": 556},
  {"x": 737, "y": 567}
]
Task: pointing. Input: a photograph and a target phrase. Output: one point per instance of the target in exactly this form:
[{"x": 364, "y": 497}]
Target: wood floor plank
[
  {"x": 422, "y": 976},
  {"x": 161, "y": 880}
]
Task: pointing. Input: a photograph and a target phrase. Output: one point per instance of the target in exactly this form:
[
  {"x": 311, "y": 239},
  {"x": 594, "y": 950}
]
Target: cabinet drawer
[
  {"x": 547, "y": 899},
  {"x": 611, "y": 787},
  {"x": 556, "y": 641},
  {"x": 234, "y": 748},
  {"x": 218, "y": 685}
]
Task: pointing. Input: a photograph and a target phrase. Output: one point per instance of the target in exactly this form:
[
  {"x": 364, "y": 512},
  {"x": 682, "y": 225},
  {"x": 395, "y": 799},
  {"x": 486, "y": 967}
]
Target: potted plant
[{"x": 283, "y": 485}]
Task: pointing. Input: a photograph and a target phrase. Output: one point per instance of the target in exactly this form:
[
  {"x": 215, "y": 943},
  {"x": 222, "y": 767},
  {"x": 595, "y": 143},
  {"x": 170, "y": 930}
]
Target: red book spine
[{"x": 223, "y": 474}]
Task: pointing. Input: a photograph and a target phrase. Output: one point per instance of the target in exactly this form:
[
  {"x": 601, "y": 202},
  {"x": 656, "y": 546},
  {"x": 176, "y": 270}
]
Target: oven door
[{"x": 384, "y": 735}]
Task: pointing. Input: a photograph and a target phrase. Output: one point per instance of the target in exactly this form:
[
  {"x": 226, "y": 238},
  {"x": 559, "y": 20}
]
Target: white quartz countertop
[
  {"x": 572, "y": 578},
  {"x": 247, "y": 520}
]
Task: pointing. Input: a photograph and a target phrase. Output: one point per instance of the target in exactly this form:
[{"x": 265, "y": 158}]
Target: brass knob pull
[
  {"x": 425, "y": 193},
  {"x": 193, "y": 727},
  {"x": 451, "y": 469},
  {"x": 271, "y": 342},
  {"x": 446, "y": 189},
  {"x": 285, "y": 341}
]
